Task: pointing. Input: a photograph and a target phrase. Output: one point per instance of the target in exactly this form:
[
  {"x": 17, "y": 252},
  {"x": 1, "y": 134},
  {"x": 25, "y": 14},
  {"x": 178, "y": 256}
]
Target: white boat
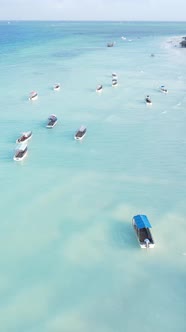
[
  {"x": 163, "y": 89},
  {"x": 148, "y": 100},
  {"x": 52, "y": 120},
  {"x": 114, "y": 82},
  {"x": 81, "y": 132},
  {"x": 57, "y": 87},
  {"x": 21, "y": 152},
  {"x": 142, "y": 227},
  {"x": 99, "y": 88},
  {"x": 110, "y": 44},
  {"x": 24, "y": 137},
  {"x": 33, "y": 95},
  {"x": 114, "y": 76}
]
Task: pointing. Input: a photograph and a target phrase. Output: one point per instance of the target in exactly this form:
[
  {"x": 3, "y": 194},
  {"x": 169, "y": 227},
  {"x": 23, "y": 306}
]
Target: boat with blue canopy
[
  {"x": 142, "y": 227},
  {"x": 163, "y": 89}
]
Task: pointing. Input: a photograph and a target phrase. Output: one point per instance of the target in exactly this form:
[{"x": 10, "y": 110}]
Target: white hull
[
  {"x": 19, "y": 159},
  {"x": 33, "y": 98},
  {"x": 99, "y": 88},
  {"x": 149, "y": 104},
  {"x": 47, "y": 126},
  {"x": 79, "y": 138},
  {"x": 150, "y": 246},
  {"x": 57, "y": 88},
  {"x": 52, "y": 121},
  {"x": 164, "y": 91},
  {"x": 25, "y": 140}
]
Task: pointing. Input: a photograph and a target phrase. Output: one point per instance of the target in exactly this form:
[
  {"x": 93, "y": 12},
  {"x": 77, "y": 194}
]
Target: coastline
[{"x": 175, "y": 41}]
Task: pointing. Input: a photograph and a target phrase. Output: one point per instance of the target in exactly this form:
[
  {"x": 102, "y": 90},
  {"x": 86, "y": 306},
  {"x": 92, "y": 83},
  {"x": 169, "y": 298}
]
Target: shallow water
[{"x": 69, "y": 259}]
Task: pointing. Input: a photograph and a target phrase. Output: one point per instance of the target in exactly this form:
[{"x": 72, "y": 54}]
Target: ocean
[{"x": 70, "y": 260}]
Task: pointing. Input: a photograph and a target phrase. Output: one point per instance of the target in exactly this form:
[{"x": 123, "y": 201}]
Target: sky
[{"x": 119, "y": 10}]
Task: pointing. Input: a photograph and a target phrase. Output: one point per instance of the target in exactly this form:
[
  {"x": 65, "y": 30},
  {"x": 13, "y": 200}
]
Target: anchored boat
[
  {"x": 81, "y": 132},
  {"x": 114, "y": 82},
  {"x": 52, "y": 120},
  {"x": 21, "y": 152},
  {"x": 24, "y": 137},
  {"x": 57, "y": 87},
  {"x": 114, "y": 76},
  {"x": 33, "y": 95},
  {"x": 99, "y": 88},
  {"x": 110, "y": 44},
  {"x": 148, "y": 100},
  {"x": 163, "y": 89},
  {"x": 142, "y": 227}
]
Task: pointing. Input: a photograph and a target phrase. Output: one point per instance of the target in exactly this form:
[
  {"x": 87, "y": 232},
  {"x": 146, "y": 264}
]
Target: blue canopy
[{"x": 142, "y": 221}]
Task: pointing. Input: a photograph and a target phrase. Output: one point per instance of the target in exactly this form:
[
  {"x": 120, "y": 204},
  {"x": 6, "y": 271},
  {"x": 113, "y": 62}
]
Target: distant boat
[
  {"x": 24, "y": 137},
  {"x": 52, "y": 120},
  {"x": 148, "y": 100},
  {"x": 21, "y": 152},
  {"x": 57, "y": 87},
  {"x": 114, "y": 76},
  {"x": 142, "y": 227},
  {"x": 123, "y": 38},
  {"x": 114, "y": 82},
  {"x": 81, "y": 132},
  {"x": 163, "y": 89},
  {"x": 33, "y": 95},
  {"x": 99, "y": 88},
  {"x": 110, "y": 44}
]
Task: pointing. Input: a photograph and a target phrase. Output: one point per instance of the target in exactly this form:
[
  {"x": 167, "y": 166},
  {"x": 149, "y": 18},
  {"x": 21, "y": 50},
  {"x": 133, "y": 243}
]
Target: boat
[
  {"x": 33, "y": 95},
  {"x": 57, "y": 87},
  {"x": 148, "y": 100},
  {"x": 114, "y": 82},
  {"x": 142, "y": 227},
  {"x": 114, "y": 76},
  {"x": 163, "y": 89},
  {"x": 99, "y": 88},
  {"x": 110, "y": 44},
  {"x": 21, "y": 152},
  {"x": 81, "y": 132},
  {"x": 52, "y": 120},
  {"x": 24, "y": 137}
]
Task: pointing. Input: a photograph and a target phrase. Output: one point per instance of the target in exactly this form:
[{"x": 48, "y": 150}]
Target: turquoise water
[{"x": 69, "y": 258}]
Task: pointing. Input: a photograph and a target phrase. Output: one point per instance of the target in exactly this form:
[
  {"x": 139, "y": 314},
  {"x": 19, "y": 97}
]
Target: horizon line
[{"x": 82, "y": 20}]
